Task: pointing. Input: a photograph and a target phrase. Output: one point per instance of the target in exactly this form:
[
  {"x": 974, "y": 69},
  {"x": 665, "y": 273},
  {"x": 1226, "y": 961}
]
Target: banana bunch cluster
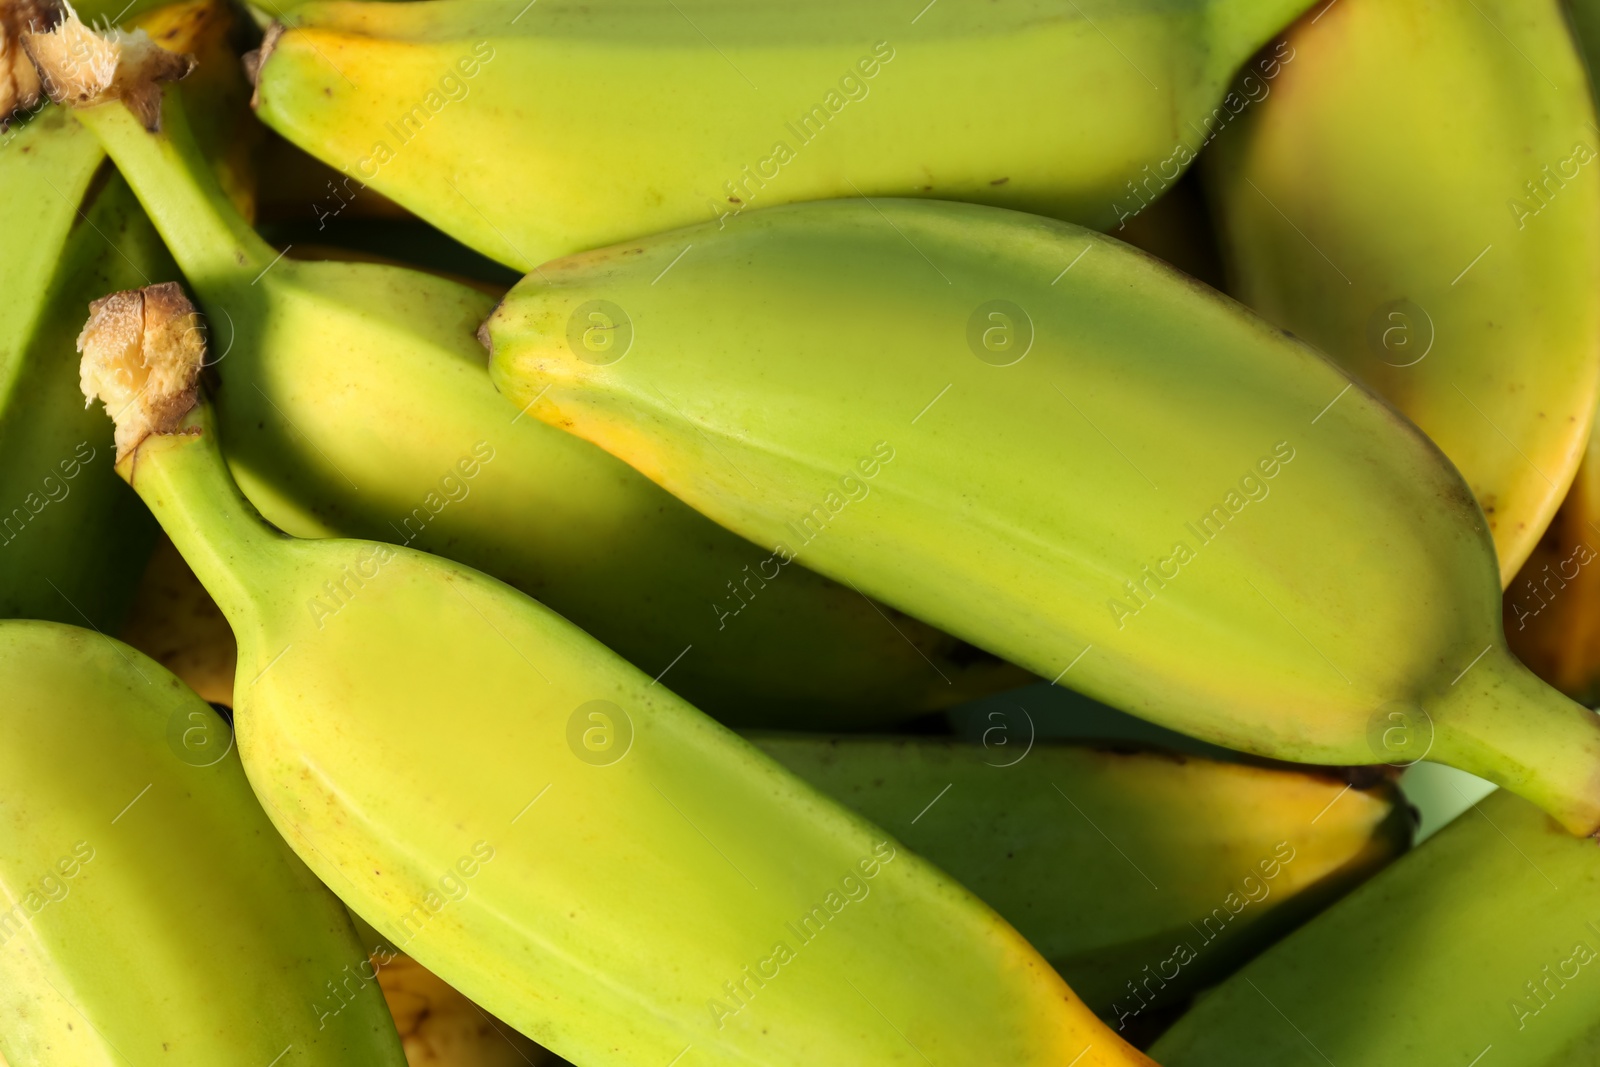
[{"x": 603, "y": 505}]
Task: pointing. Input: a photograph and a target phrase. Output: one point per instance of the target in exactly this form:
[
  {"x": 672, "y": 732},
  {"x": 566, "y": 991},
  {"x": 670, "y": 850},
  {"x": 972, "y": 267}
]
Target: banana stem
[
  {"x": 1501, "y": 722},
  {"x": 206, "y": 234},
  {"x": 184, "y": 480}
]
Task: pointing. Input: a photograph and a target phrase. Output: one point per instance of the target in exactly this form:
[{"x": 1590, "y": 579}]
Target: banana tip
[
  {"x": 257, "y": 57},
  {"x": 142, "y": 353},
  {"x": 79, "y": 67}
]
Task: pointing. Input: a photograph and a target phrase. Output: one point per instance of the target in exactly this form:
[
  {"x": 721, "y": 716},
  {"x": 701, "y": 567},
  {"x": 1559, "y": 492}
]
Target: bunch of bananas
[{"x": 679, "y": 534}]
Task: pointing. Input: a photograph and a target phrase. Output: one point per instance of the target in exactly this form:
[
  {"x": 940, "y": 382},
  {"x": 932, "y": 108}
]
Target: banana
[
  {"x": 1421, "y": 200},
  {"x": 537, "y": 154},
  {"x": 614, "y": 874},
  {"x": 1476, "y": 945},
  {"x": 1067, "y": 454},
  {"x": 151, "y": 913},
  {"x": 1117, "y": 865},
  {"x": 72, "y": 538},
  {"x": 1553, "y": 604},
  {"x": 355, "y": 402}
]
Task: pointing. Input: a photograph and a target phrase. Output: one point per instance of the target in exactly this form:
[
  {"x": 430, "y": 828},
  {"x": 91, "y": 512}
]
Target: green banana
[
  {"x": 1472, "y": 949},
  {"x": 355, "y": 403},
  {"x": 1065, "y": 453},
  {"x": 1421, "y": 200},
  {"x": 531, "y": 132},
  {"x": 72, "y": 538},
  {"x": 1106, "y": 860},
  {"x": 615, "y": 875},
  {"x": 151, "y": 912}
]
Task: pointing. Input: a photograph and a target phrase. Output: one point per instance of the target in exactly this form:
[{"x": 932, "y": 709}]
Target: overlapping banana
[
  {"x": 1552, "y": 607},
  {"x": 71, "y": 536},
  {"x": 151, "y": 913},
  {"x": 356, "y": 403},
  {"x": 1421, "y": 200},
  {"x": 1069, "y": 455},
  {"x": 615, "y": 874},
  {"x": 1141, "y": 876},
  {"x": 1477, "y": 947},
  {"x": 530, "y": 132}
]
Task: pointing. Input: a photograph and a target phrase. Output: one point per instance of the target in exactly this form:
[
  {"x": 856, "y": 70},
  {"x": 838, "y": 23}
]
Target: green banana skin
[
  {"x": 533, "y": 155},
  {"x": 1484, "y": 936},
  {"x": 152, "y": 914},
  {"x": 355, "y": 402},
  {"x": 1106, "y": 859},
  {"x": 1419, "y": 199},
  {"x": 72, "y": 538},
  {"x": 1009, "y": 470},
  {"x": 597, "y": 878}
]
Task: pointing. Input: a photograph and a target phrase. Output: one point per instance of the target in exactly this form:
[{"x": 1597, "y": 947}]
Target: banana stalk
[
  {"x": 355, "y": 403},
  {"x": 1421, "y": 200},
  {"x": 1477, "y": 945},
  {"x": 1067, "y": 454},
  {"x": 151, "y": 913},
  {"x": 531, "y": 132},
  {"x": 616, "y": 875},
  {"x": 1142, "y": 876}
]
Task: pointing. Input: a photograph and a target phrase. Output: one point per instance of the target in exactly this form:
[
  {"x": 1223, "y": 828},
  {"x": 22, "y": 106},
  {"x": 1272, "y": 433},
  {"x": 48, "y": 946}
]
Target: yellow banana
[
  {"x": 356, "y": 402},
  {"x": 615, "y": 875},
  {"x": 533, "y": 131},
  {"x": 151, "y": 914},
  {"x": 1552, "y": 607},
  {"x": 1420, "y": 198},
  {"x": 1142, "y": 876},
  {"x": 1069, "y": 455}
]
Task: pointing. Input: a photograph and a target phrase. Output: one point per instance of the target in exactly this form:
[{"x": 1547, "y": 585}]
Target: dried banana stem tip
[
  {"x": 19, "y": 82},
  {"x": 80, "y": 67},
  {"x": 142, "y": 354}
]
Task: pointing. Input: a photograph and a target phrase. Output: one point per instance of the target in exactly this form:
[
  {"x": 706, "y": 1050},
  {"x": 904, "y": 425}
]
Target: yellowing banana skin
[
  {"x": 533, "y": 132},
  {"x": 613, "y": 873},
  {"x": 356, "y": 403},
  {"x": 1064, "y": 452},
  {"x": 1420, "y": 198},
  {"x": 1141, "y": 876},
  {"x": 151, "y": 914},
  {"x": 1482, "y": 944}
]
